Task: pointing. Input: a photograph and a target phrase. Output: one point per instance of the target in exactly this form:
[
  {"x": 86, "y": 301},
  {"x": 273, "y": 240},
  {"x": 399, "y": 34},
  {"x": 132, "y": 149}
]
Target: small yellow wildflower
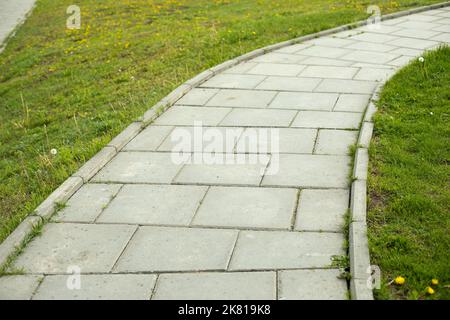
[
  {"x": 434, "y": 282},
  {"x": 430, "y": 290},
  {"x": 399, "y": 280}
]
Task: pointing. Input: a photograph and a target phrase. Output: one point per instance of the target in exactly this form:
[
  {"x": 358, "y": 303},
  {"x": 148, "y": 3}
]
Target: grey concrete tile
[
  {"x": 374, "y": 74},
  {"x": 20, "y": 287},
  {"x": 88, "y": 203},
  {"x": 276, "y": 69},
  {"x": 217, "y": 286},
  {"x": 98, "y": 287},
  {"x": 283, "y": 140},
  {"x": 149, "y": 139},
  {"x": 443, "y": 28},
  {"x": 329, "y": 72},
  {"x": 91, "y": 247},
  {"x": 370, "y": 56},
  {"x": 311, "y": 285},
  {"x": 177, "y": 249},
  {"x": 445, "y": 37},
  {"x": 264, "y": 250},
  {"x": 197, "y": 97},
  {"x": 316, "y": 61},
  {"x": 374, "y": 37},
  {"x": 234, "y": 81},
  {"x": 417, "y": 25},
  {"x": 346, "y": 86},
  {"x": 247, "y": 208},
  {"x": 304, "y": 101},
  {"x": 329, "y": 120},
  {"x": 414, "y": 33},
  {"x": 154, "y": 204},
  {"x": 422, "y": 17},
  {"x": 276, "y": 57},
  {"x": 352, "y": 102},
  {"x": 335, "y": 141},
  {"x": 242, "y": 98},
  {"x": 401, "y": 61},
  {"x": 414, "y": 43},
  {"x": 201, "y": 139},
  {"x": 289, "y": 84},
  {"x": 241, "y": 67},
  {"x": 293, "y": 49},
  {"x": 314, "y": 171},
  {"x": 187, "y": 116},
  {"x": 258, "y": 118},
  {"x": 371, "y": 46},
  {"x": 331, "y": 42},
  {"x": 323, "y": 52},
  {"x": 140, "y": 167},
  {"x": 247, "y": 172},
  {"x": 322, "y": 210}
]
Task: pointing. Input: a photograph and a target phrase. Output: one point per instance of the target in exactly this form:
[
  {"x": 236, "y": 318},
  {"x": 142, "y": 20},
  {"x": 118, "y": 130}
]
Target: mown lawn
[
  {"x": 74, "y": 90},
  {"x": 409, "y": 185}
]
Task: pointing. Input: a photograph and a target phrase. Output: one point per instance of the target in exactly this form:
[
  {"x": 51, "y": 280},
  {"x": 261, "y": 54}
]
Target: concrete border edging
[{"x": 359, "y": 254}]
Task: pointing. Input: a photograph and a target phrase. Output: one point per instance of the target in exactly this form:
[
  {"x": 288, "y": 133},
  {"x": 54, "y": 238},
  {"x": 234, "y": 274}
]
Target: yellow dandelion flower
[
  {"x": 430, "y": 290},
  {"x": 399, "y": 280},
  {"x": 434, "y": 282}
]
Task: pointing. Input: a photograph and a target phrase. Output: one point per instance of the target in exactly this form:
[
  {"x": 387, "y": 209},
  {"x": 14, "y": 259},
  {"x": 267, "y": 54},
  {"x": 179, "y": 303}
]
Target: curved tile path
[{"x": 146, "y": 226}]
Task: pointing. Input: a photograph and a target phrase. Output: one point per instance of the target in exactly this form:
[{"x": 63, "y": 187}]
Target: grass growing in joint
[
  {"x": 73, "y": 90},
  {"x": 409, "y": 180}
]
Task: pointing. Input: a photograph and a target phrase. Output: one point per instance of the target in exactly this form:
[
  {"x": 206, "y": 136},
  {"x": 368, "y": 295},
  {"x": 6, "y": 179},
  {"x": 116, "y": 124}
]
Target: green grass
[
  {"x": 75, "y": 90},
  {"x": 409, "y": 205}
]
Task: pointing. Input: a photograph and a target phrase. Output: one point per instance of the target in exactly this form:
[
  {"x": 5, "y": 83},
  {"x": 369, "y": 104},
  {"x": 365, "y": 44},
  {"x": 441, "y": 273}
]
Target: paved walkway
[
  {"x": 12, "y": 12},
  {"x": 147, "y": 227}
]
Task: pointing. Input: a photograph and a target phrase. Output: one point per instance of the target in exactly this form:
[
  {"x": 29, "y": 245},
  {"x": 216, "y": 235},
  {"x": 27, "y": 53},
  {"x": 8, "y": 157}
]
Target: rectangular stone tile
[
  {"x": 241, "y": 68},
  {"x": 289, "y": 84},
  {"x": 331, "y": 42},
  {"x": 401, "y": 61},
  {"x": 197, "y": 97},
  {"x": 177, "y": 249},
  {"x": 414, "y": 43},
  {"x": 247, "y": 208},
  {"x": 352, "y": 102},
  {"x": 372, "y": 65},
  {"x": 187, "y": 116},
  {"x": 374, "y": 74},
  {"x": 276, "y": 69},
  {"x": 417, "y": 25},
  {"x": 263, "y": 250},
  {"x": 294, "y": 48},
  {"x": 322, "y": 210},
  {"x": 304, "y": 101},
  {"x": 276, "y": 57},
  {"x": 88, "y": 203},
  {"x": 140, "y": 167},
  {"x": 311, "y": 285},
  {"x": 242, "y": 98},
  {"x": 442, "y": 37},
  {"x": 153, "y": 204},
  {"x": 91, "y": 247},
  {"x": 346, "y": 86},
  {"x": 316, "y": 61},
  {"x": 283, "y": 140},
  {"x": 330, "y": 120},
  {"x": 335, "y": 141},
  {"x": 231, "y": 173},
  {"x": 201, "y": 139},
  {"x": 234, "y": 81},
  {"x": 217, "y": 286},
  {"x": 98, "y": 287},
  {"x": 370, "y": 56},
  {"x": 20, "y": 287},
  {"x": 329, "y": 72},
  {"x": 422, "y": 17},
  {"x": 443, "y": 28},
  {"x": 370, "y": 46},
  {"x": 379, "y": 28},
  {"x": 323, "y": 52},
  {"x": 374, "y": 37},
  {"x": 414, "y": 33},
  {"x": 258, "y": 118},
  {"x": 149, "y": 139},
  {"x": 314, "y": 171}
]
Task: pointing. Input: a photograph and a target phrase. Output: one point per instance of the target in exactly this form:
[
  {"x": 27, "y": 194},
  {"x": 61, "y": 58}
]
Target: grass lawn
[
  {"x": 409, "y": 206},
  {"x": 74, "y": 90}
]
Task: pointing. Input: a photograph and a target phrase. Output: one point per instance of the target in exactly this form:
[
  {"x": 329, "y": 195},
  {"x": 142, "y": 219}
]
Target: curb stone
[{"x": 358, "y": 230}]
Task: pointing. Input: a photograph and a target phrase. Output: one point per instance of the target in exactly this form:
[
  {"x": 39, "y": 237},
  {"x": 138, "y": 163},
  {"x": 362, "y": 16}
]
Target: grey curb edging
[{"x": 90, "y": 168}]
